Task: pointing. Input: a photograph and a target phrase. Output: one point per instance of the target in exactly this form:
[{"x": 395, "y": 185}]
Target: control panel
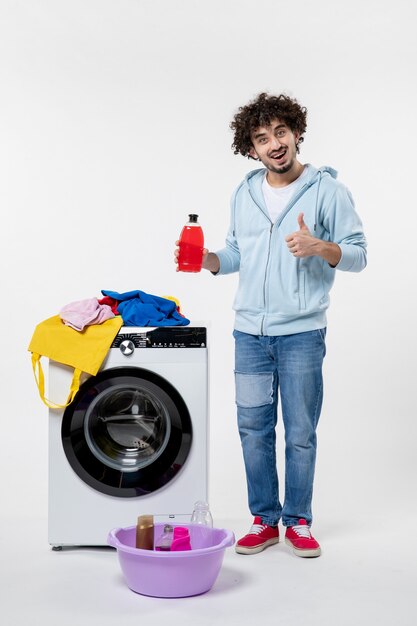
[{"x": 162, "y": 337}]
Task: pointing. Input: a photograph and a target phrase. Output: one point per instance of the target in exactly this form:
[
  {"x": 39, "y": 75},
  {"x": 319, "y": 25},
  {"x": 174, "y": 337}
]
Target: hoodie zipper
[
  {"x": 292, "y": 202},
  {"x": 266, "y": 269}
]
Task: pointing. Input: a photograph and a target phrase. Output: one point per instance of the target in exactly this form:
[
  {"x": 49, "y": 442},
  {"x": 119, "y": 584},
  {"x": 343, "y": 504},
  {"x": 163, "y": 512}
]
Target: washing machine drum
[{"x": 127, "y": 433}]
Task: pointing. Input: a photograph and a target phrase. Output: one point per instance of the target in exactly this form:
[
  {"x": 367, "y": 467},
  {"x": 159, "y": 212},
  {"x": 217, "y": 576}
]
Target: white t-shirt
[{"x": 277, "y": 198}]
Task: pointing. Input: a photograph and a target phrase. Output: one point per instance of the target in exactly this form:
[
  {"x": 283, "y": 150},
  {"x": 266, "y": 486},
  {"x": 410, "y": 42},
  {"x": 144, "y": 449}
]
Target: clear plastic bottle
[
  {"x": 201, "y": 514},
  {"x": 191, "y": 244}
]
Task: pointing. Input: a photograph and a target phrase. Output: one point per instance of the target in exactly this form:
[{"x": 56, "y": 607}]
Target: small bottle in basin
[
  {"x": 144, "y": 532},
  {"x": 181, "y": 540},
  {"x": 201, "y": 514},
  {"x": 165, "y": 541}
]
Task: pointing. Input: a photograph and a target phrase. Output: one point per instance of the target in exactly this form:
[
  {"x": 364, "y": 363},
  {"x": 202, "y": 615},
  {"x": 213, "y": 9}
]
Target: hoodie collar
[{"x": 254, "y": 179}]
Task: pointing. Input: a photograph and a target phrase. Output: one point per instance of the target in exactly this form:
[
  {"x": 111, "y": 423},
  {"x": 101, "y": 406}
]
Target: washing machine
[{"x": 135, "y": 439}]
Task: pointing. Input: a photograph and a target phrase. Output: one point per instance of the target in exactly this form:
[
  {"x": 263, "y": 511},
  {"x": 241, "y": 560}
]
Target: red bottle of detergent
[{"x": 191, "y": 246}]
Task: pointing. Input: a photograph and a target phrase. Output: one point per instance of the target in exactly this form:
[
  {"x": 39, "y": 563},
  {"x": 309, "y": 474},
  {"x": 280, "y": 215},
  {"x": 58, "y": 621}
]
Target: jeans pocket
[
  {"x": 253, "y": 390},
  {"x": 322, "y": 333}
]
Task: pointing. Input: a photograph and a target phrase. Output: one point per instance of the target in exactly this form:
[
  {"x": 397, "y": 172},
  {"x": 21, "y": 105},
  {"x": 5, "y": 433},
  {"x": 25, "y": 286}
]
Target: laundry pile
[
  {"x": 136, "y": 308},
  {"x": 96, "y": 322}
]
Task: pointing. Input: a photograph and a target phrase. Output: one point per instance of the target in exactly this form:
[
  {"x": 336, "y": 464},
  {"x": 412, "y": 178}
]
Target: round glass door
[{"x": 127, "y": 433}]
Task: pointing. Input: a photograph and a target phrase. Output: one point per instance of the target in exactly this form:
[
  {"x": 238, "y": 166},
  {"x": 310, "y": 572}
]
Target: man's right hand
[
  {"x": 176, "y": 254},
  {"x": 210, "y": 260}
]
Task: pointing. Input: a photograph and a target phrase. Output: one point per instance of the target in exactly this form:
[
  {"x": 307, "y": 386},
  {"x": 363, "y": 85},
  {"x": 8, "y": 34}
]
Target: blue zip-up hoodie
[{"x": 279, "y": 294}]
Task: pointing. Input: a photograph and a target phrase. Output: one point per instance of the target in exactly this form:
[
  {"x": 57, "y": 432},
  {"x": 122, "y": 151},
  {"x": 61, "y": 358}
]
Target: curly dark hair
[{"x": 261, "y": 112}]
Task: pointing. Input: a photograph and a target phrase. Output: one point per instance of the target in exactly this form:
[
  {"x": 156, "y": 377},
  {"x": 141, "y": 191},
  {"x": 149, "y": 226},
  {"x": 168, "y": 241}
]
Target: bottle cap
[
  {"x": 201, "y": 504},
  {"x": 193, "y": 217}
]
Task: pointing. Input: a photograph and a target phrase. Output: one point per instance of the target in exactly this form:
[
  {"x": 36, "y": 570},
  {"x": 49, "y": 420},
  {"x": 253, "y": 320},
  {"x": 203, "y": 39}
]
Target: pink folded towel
[{"x": 83, "y": 313}]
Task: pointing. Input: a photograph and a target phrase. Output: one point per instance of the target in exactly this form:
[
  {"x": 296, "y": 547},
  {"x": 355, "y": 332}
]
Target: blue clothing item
[
  {"x": 292, "y": 364},
  {"x": 279, "y": 294},
  {"x": 138, "y": 308}
]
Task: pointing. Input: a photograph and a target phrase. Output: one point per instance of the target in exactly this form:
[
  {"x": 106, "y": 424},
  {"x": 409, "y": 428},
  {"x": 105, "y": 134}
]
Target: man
[{"x": 292, "y": 226}]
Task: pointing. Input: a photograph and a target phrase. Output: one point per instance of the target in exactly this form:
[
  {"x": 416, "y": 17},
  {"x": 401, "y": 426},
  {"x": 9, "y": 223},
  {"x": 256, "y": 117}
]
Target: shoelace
[
  {"x": 302, "y": 531},
  {"x": 256, "y": 529}
]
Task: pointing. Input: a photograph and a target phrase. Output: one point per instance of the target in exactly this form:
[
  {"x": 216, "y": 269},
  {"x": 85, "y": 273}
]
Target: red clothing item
[{"x": 111, "y": 302}]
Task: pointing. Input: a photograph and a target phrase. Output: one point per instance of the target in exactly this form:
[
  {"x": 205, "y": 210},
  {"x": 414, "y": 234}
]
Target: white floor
[{"x": 365, "y": 576}]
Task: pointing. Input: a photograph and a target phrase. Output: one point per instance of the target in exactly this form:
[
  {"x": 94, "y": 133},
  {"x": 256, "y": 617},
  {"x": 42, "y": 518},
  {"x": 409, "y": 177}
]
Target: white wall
[{"x": 114, "y": 126}]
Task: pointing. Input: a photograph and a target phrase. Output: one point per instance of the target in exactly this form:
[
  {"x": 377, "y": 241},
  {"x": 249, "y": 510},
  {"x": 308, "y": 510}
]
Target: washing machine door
[{"x": 127, "y": 433}]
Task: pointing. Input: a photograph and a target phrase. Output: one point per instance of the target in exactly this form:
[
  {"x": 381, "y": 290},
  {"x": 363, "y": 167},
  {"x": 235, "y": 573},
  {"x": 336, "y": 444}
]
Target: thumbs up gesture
[
  {"x": 303, "y": 226},
  {"x": 302, "y": 243}
]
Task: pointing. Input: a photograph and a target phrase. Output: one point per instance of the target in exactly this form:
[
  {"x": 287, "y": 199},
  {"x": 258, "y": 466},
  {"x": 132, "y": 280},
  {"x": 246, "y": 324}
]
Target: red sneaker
[
  {"x": 258, "y": 538},
  {"x": 301, "y": 539}
]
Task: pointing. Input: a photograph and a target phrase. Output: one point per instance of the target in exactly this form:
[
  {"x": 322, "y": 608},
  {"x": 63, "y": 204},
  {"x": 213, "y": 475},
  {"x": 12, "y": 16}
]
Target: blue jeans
[{"x": 292, "y": 364}]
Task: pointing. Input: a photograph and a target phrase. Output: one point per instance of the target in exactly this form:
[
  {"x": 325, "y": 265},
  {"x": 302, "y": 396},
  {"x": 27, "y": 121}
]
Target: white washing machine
[{"x": 134, "y": 440}]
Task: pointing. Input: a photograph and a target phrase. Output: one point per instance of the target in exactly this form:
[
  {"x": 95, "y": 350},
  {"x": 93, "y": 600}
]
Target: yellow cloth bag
[{"x": 85, "y": 351}]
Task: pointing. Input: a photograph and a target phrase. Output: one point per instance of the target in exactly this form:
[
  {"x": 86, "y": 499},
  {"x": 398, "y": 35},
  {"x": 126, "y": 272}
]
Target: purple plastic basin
[{"x": 172, "y": 574}]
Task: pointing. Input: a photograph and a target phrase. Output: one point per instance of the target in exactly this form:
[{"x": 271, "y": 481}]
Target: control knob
[{"x": 127, "y": 347}]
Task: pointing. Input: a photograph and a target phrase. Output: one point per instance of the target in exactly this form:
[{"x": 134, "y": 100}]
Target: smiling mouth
[{"x": 279, "y": 155}]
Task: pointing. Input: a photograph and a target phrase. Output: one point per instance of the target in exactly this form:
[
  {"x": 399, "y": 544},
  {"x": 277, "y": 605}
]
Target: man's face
[{"x": 276, "y": 146}]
